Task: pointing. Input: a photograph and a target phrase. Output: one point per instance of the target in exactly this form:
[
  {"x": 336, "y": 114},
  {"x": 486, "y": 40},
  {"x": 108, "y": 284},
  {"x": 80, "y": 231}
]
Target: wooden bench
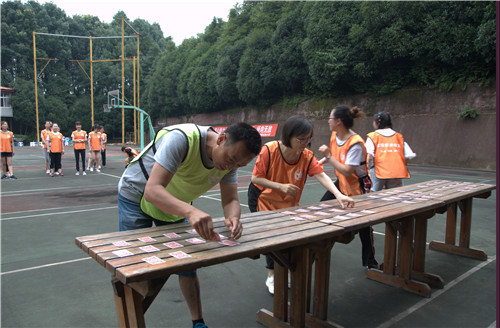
[{"x": 295, "y": 237}]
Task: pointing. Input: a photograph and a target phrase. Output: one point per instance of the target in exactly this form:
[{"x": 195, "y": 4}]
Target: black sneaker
[
  {"x": 4, "y": 176},
  {"x": 372, "y": 264},
  {"x": 13, "y": 177}
]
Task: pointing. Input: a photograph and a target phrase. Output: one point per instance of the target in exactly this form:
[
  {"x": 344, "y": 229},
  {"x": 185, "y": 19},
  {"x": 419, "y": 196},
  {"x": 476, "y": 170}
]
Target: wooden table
[{"x": 294, "y": 237}]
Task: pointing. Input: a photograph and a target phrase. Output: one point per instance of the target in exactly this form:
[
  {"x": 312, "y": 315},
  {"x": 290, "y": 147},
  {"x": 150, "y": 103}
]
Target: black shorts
[{"x": 6, "y": 154}]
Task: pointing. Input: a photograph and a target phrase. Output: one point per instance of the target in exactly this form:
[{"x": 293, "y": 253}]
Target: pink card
[
  {"x": 121, "y": 243},
  {"x": 288, "y": 212},
  {"x": 171, "y": 235},
  {"x": 195, "y": 241},
  {"x": 325, "y": 205},
  {"x": 180, "y": 255},
  {"x": 229, "y": 243},
  {"x": 307, "y": 216},
  {"x": 314, "y": 208},
  {"x": 367, "y": 212},
  {"x": 336, "y": 210},
  {"x": 296, "y": 218},
  {"x": 123, "y": 253},
  {"x": 146, "y": 239},
  {"x": 192, "y": 231},
  {"x": 302, "y": 210},
  {"x": 149, "y": 249},
  {"x": 322, "y": 213},
  {"x": 327, "y": 221},
  {"x": 173, "y": 244},
  {"x": 153, "y": 260}
]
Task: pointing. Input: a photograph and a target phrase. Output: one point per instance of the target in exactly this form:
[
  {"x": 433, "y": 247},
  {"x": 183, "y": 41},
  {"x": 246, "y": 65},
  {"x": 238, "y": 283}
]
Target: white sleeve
[
  {"x": 370, "y": 147},
  {"x": 355, "y": 155},
  {"x": 409, "y": 154}
]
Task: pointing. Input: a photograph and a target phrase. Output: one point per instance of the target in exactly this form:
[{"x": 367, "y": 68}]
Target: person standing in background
[
  {"x": 79, "y": 138},
  {"x": 7, "y": 150},
  {"x": 55, "y": 144},
  {"x": 48, "y": 128},
  {"x": 347, "y": 154},
  {"x": 386, "y": 154},
  {"x": 95, "y": 146},
  {"x": 104, "y": 138}
]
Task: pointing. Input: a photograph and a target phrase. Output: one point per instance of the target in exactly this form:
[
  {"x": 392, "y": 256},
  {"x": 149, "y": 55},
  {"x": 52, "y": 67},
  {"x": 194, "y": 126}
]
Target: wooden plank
[
  {"x": 451, "y": 223},
  {"x": 420, "y": 244},
  {"x": 280, "y": 300},
  {"x": 477, "y": 254},
  {"x": 298, "y": 290},
  {"x": 322, "y": 280},
  {"x": 267, "y": 319},
  {"x": 465, "y": 222},
  {"x": 120, "y": 304},
  {"x": 135, "y": 311},
  {"x": 413, "y": 286},
  {"x": 390, "y": 245}
]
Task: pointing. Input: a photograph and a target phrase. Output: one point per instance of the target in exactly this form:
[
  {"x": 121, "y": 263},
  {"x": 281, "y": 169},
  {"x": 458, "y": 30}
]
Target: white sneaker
[
  {"x": 91, "y": 169},
  {"x": 99, "y": 167},
  {"x": 57, "y": 173},
  {"x": 84, "y": 173},
  {"x": 98, "y": 171},
  {"x": 48, "y": 171},
  {"x": 77, "y": 173},
  {"x": 270, "y": 284}
]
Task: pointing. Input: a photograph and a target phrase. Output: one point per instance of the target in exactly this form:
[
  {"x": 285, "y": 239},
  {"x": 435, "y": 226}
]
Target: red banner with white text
[{"x": 265, "y": 130}]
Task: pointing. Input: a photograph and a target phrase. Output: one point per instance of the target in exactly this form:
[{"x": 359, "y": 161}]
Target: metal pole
[
  {"x": 91, "y": 82},
  {"x": 142, "y": 131},
  {"x": 138, "y": 77},
  {"x": 135, "y": 105},
  {"x": 36, "y": 89},
  {"x": 123, "y": 83}
]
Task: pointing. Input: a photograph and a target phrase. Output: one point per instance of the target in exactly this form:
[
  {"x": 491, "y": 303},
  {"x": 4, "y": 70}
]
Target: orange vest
[
  {"x": 133, "y": 151},
  {"x": 56, "y": 141},
  {"x": 278, "y": 170},
  {"x": 104, "y": 138},
  {"x": 389, "y": 156},
  {"x": 79, "y": 136},
  {"x": 6, "y": 141},
  {"x": 348, "y": 185},
  {"x": 44, "y": 137},
  {"x": 95, "y": 141}
]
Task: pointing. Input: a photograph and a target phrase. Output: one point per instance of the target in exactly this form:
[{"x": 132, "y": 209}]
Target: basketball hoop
[{"x": 107, "y": 107}]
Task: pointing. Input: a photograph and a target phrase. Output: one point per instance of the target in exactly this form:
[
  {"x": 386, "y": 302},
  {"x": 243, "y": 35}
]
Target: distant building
[{"x": 5, "y": 106}]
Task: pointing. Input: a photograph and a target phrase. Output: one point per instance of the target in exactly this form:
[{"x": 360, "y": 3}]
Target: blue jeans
[
  {"x": 131, "y": 217},
  {"x": 378, "y": 184}
]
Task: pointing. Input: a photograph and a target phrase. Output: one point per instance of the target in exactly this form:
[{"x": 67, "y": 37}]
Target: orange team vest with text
[
  {"x": 6, "y": 139},
  {"x": 281, "y": 171},
  {"x": 349, "y": 186},
  {"x": 389, "y": 160},
  {"x": 79, "y": 136},
  {"x": 44, "y": 137},
  {"x": 133, "y": 151},
  {"x": 95, "y": 141},
  {"x": 56, "y": 140},
  {"x": 104, "y": 138}
]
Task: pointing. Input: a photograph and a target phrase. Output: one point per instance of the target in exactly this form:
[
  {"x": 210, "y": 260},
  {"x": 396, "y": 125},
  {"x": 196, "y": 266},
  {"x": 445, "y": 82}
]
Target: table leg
[
  {"x": 298, "y": 287},
  {"x": 463, "y": 248}
]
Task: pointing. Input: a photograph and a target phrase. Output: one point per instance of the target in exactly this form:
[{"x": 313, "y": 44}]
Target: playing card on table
[
  {"x": 325, "y": 205},
  {"x": 171, "y": 235},
  {"x": 149, "y": 249},
  {"x": 153, "y": 260},
  {"x": 121, "y": 243},
  {"x": 173, "y": 244},
  {"x": 353, "y": 215},
  {"x": 146, "y": 239},
  {"x": 229, "y": 243},
  {"x": 288, "y": 212},
  {"x": 336, "y": 210},
  {"x": 301, "y": 210},
  {"x": 307, "y": 216},
  {"x": 314, "y": 208},
  {"x": 367, "y": 212},
  {"x": 195, "y": 241},
  {"x": 222, "y": 237},
  {"x": 180, "y": 255},
  {"x": 192, "y": 231},
  {"x": 123, "y": 253},
  {"x": 322, "y": 213},
  {"x": 327, "y": 221},
  {"x": 296, "y": 218}
]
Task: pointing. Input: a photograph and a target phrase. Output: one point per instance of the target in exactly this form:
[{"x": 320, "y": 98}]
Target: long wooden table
[{"x": 141, "y": 261}]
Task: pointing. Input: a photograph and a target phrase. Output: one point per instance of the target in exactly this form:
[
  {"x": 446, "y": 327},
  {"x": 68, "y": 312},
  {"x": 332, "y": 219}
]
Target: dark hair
[
  {"x": 123, "y": 148},
  {"x": 347, "y": 115},
  {"x": 383, "y": 120},
  {"x": 96, "y": 126},
  {"x": 244, "y": 132},
  {"x": 295, "y": 126},
  {"x": 78, "y": 123}
]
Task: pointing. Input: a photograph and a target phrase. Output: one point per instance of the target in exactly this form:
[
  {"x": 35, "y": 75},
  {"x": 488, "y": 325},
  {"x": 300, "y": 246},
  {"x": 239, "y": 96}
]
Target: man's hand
[
  {"x": 234, "y": 225},
  {"x": 345, "y": 199},
  {"x": 324, "y": 150},
  {"x": 289, "y": 189},
  {"x": 202, "y": 223}
]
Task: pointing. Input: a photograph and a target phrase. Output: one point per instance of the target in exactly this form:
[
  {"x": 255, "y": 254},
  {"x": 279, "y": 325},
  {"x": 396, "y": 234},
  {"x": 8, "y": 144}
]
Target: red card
[
  {"x": 173, "y": 244},
  {"x": 121, "y": 243},
  {"x": 195, "y": 241},
  {"x": 146, "y": 239},
  {"x": 153, "y": 260},
  {"x": 171, "y": 235},
  {"x": 180, "y": 255},
  {"x": 149, "y": 249},
  {"x": 123, "y": 253},
  {"x": 229, "y": 243}
]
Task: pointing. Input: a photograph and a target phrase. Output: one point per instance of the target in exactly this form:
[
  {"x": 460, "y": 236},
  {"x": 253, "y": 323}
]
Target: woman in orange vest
[
  {"x": 55, "y": 145},
  {"x": 7, "y": 150},
  {"x": 347, "y": 154},
  {"x": 104, "y": 138},
  {"x": 79, "y": 138},
  {"x": 95, "y": 147},
  {"x": 46, "y": 156},
  {"x": 386, "y": 154},
  {"x": 280, "y": 174},
  {"x": 131, "y": 154}
]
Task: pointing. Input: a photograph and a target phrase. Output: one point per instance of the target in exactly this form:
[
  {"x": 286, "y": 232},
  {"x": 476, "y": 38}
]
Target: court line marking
[
  {"x": 436, "y": 294},
  {"x": 50, "y": 209},
  {"x": 44, "y": 266},
  {"x": 48, "y": 189},
  {"x": 59, "y": 213}
]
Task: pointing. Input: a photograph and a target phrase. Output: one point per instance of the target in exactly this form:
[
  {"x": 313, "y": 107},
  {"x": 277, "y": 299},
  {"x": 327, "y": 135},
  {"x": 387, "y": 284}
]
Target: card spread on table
[
  {"x": 302, "y": 210},
  {"x": 322, "y": 213},
  {"x": 171, "y": 235},
  {"x": 296, "y": 218},
  {"x": 149, "y": 249},
  {"x": 121, "y": 243},
  {"x": 180, "y": 255},
  {"x": 340, "y": 217},
  {"x": 373, "y": 196},
  {"x": 327, "y": 221},
  {"x": 367, "y": 212},
  {"x": 288, "y": 212},
  {"x": 153, "y": 260},
  {"x": 408, "y": 202},
  {"x": 336, "y": 210},
  {"x": 307, "y": 216},
  {"x": 229, "y": 243},
  {"x": 192, "y": 231},
  {"x": 353, "y": 215},
  {"x": 123, "y": 253},
  {"x": 195, "y": 241},
  {"x": 173, "y": 244},
  {"x": 222, "y": 237},
  {"x": 146, "y": 239},
  {"x": 325, "y": 205},
  {"x": 314, "y": 208}
]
